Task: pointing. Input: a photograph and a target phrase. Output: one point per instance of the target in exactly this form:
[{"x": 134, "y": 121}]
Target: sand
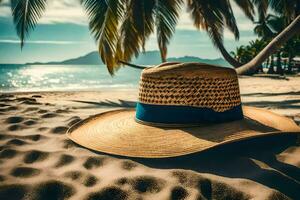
[{"x": 37, "y": 161}]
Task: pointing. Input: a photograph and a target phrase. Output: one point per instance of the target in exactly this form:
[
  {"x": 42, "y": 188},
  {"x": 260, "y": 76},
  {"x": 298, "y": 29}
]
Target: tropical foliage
[
  {"x": 282, "y": 60},
  {"x": 122, "y": 27},
  {"x": 117, "y": 24}
]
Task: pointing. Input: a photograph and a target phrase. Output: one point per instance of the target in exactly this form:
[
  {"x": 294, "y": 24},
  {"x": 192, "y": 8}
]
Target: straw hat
[{"x": 183, "y": 108}]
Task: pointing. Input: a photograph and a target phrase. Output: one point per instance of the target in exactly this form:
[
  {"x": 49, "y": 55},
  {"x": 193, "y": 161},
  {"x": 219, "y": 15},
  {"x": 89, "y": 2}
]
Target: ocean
[{"x": 31, "y": 78}]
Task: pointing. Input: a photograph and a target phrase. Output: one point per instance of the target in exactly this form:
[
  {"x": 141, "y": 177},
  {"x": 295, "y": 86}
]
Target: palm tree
[
  {"x": 290, "y": 50},
  {"x": 214, "y": 17},
  {"x": 276, "y": 43},
  {"x": 119, "y": 23},
  {"x": 115, "y": 24},
  {"x": 121, "y": 27}
]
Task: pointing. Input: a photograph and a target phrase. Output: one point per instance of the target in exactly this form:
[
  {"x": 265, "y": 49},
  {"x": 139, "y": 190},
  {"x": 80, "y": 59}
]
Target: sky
[{"x": 63, "y": 33}]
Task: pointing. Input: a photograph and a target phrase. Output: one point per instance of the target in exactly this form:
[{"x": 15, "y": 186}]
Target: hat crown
[
  {"x": 188, "y": 70},
  {"x": 190, "y": 84}
]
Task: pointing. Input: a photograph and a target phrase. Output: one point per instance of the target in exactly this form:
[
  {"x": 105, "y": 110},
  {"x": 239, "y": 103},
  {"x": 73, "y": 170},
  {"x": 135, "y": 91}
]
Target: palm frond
[
  {"x": 105, "y": 17},
  {"x": 136, "y": 28},
  {"x": 142, "y": 14},
  {"x": 224, "y": 7},
  {"x": 290, "y": 9},
  {"x": 26, "y": 14},
  {"x": 167, "y": 13},
  {"x": 208, "y": 18},
  {"x": 262, "y": 8},
  {"x": 247, "y": 7}
]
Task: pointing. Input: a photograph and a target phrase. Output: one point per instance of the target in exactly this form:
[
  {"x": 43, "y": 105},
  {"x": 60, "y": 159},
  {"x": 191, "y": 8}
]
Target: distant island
[{"x": 147, "y": 58}]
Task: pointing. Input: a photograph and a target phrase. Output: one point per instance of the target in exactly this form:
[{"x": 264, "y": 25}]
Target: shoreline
[{"x": 274, "y": 77}]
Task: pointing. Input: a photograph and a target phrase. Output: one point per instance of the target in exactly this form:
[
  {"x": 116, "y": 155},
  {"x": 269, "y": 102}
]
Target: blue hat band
[{"x": 184, "y": 115}]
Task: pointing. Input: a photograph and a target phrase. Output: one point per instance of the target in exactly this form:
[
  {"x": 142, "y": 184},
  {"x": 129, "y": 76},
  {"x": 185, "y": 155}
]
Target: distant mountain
[
  {"x": 147, "y": 58},
  {"x": 218, "y": 61}
]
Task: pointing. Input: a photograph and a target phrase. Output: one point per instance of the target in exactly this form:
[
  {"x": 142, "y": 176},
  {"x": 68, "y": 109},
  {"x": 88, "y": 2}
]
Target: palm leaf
[
  {"x": 105, "y": 17},
  {"x": 208, "y": 18},
  {"x": 288, "y": 8},
  {"x": 247, "y": 7},
  {"x": 25, "y": 15},
  {"x": 224, "y": 7},
  {"x": 136, "y": 28},
  {"x": 262, "y": 8},
  {"x": 167, "y": 13}
]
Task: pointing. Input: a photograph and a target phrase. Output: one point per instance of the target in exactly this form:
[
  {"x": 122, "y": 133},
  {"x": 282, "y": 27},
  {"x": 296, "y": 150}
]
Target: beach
[{"x": 38, "y": 161}]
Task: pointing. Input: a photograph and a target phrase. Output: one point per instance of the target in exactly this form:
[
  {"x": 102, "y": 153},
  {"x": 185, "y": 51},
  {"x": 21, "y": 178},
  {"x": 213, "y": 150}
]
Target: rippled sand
[{"x": 37, "y": 161}]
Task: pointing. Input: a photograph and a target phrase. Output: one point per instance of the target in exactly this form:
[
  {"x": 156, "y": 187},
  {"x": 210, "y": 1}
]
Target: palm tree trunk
[
  {"x": 279, "y": 69},
  {"x": 290, "y": 63},
  {"x": 271, "y": 68},
  {"x": 232, "y": 61},
  {"x": 272, "y": 47},
  {"x": 267, "y": 62}
]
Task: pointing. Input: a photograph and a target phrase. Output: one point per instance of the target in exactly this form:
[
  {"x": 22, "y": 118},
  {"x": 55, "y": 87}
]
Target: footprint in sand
[
  {"x": 13, "y": 191},
  {"x": 49, "y": 115},
  {"x": 42, "y": 129},
  {"x": 143, "y": 184},
  {"x": 59, "y": 130},
  {"x": 28, "y": 101},
  {"x": 35, "y": 156},
  {"x": 128, "y": 165},
  {"x": 36, "y": 96},
  {"x": 52, "y": 189},
  {"x": 41, "y": 111},
  {"x": 34, "y": 138},
  {"x": 62, "y": 111},
  {"x": 25, "y": 172},
  {"x": 30, "y": 109},
  {"x": 74, "y": 175},
  {"x": 15, "y": 127},
  {"x": 147, "y": 184},
  {"x": 179, "y": 193},
  {"x": 111, "y": 193},
  {"x": 3, "y": 105},
  {"x": 64, "y": 160},
  {"x": 30, "y": 122},
  {"x": 9, "y": 108},
  {"x": 8, "y": 153},
  {"x": 93, "y": 162},
  {"x": 90, "y": 181},
  {"x": 14, "y": 120},
  {"x": 3, "y": 137},
  {"x": 208, "y": 189},
  {"x": 16, "y": 142},
  {"x": 86, "y": 180}
]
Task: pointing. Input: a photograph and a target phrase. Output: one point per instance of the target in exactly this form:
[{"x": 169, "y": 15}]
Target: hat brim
[{"x": 117, "y": 132}]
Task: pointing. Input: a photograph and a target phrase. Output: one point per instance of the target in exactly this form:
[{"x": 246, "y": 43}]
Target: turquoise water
[{"x": 14, "y": 78}]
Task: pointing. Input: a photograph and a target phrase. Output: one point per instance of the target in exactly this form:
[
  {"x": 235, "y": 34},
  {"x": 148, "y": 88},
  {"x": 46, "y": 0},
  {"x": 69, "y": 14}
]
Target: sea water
[{"x": 22, "y": 78}]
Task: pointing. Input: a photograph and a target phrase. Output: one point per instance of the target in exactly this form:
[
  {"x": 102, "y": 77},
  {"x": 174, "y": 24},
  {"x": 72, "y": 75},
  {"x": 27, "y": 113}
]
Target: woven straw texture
[
  {"x": 116, "y": 132},
  {"x": 190, "y": 84}
]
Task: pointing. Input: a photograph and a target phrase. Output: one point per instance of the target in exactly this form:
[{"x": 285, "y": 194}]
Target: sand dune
[{"x": 37, "y": 161}]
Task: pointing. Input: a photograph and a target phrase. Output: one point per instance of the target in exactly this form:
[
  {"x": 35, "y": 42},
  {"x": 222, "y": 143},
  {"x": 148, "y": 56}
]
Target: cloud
[
  {"x": 5, "y": 9},
  {"x": 71, "y": 11},
  {"x": 65, "y": 11},
  {"x": 41, "y": 42},
  {"x": 57, "y": 11}
]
